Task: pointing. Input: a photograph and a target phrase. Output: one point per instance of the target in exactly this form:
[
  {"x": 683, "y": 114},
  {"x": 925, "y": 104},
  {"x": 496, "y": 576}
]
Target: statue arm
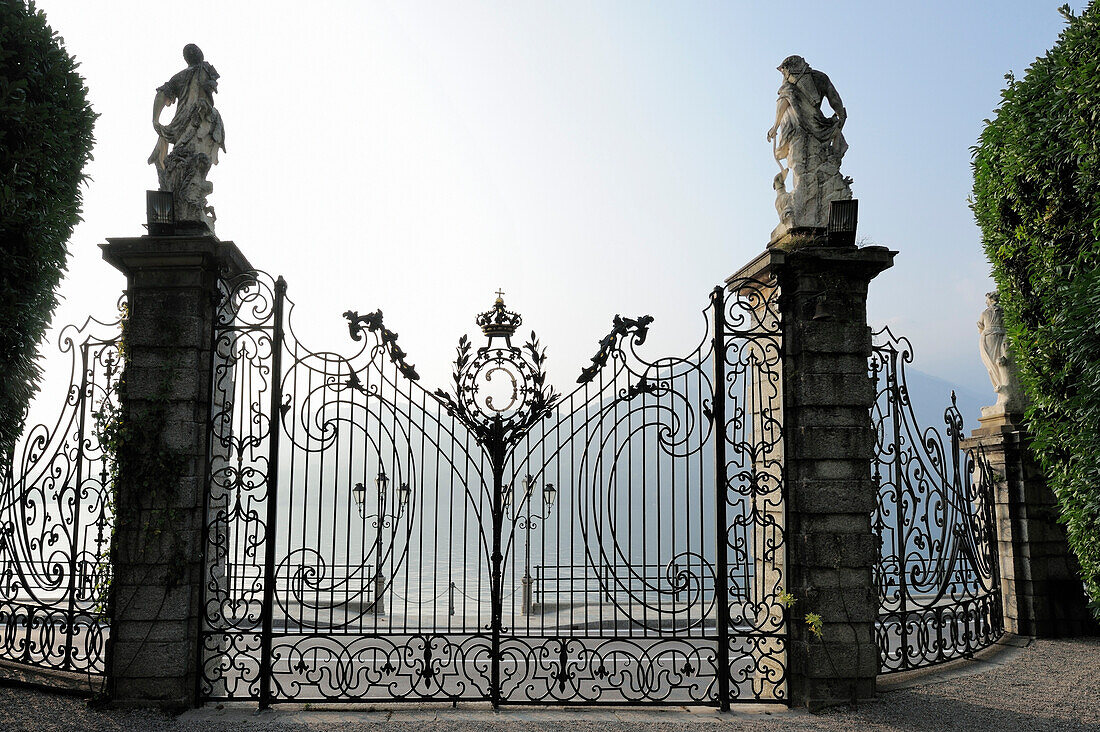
[
  {"x": 162, "y": 100},
  {"x": 781, "y": 108},
  {"x": 835, "y": 102}
]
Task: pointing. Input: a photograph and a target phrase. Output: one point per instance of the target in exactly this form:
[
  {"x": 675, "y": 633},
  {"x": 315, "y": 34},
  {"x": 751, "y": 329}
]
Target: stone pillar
[
  {"x": 1041, "y": 589},
  {"x": 156, "y": 590},
  {"x": 828, "y": 444}
]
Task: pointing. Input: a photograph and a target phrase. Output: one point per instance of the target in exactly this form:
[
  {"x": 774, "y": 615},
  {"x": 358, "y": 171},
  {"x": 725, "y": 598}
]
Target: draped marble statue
[
  {"x": 993, "y": 345},
  {"x": 195, "y": 133},
  {"x": 812, "y": 146}
]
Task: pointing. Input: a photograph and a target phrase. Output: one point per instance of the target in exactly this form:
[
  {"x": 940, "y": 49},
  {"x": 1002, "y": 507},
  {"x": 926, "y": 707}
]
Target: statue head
[
  {"x": 794, "y": 65},
  {"x": 192, "y": 54},
  {"x": 992, "y": 298}
]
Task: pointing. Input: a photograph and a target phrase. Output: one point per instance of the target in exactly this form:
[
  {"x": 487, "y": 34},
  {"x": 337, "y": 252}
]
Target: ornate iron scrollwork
[
  {"x": 615, "y": 582},
  {"x": 939, "y": 591},
  {"x": 56, "y": 516}
]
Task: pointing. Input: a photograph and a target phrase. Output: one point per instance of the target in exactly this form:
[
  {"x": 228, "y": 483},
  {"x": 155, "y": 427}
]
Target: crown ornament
[{"x": 498, "y": 322}]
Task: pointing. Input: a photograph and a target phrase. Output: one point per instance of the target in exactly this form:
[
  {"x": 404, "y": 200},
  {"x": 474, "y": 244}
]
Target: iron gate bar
[
  {"x": 497, "y": 448},
  {"x": 895, "y": 416},
  {"x": 204, "y": 547},
  {"x": 77, "y": 503},
  {"x": 267, "y": 612},
  {"x": 721, "y": 581}
]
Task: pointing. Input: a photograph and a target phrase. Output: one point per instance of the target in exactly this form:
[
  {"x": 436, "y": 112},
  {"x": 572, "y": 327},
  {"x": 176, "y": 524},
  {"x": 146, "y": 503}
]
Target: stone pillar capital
[{"x": 131, "y": 255}]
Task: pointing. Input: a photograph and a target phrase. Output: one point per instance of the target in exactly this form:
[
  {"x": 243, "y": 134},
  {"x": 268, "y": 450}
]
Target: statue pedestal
[
  {"x": 998, "y": 424},
  {"x": 1041, "y": 590},
  {"x": 797, "y": 237}
]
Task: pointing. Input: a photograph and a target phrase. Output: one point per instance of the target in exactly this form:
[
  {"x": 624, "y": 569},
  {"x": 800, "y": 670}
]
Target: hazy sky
[{"x": 590, "y": 158}]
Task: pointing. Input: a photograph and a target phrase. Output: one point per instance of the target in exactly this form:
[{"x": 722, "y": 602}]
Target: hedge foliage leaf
[
  {"x": 1037, "y": 201},
  {"x": 45, "y": 141}
]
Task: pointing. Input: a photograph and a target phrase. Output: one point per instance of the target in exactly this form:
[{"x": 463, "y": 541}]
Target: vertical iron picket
[
  {"x": 899, "y": 500},
  {"x": 266, "y": 671},
  {"x": 721, "y": 581},
  {"x": 994, "y": 607},
  {"x": 496, "y": 447},
  {"x": 75, "y": 536}
]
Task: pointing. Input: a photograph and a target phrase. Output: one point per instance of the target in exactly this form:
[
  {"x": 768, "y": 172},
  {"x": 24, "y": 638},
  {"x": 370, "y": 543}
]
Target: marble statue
[
  {"x": 993, "y": 345},
  {"x": 195, "y": 133},
  {"x": 811, "y": 144}
]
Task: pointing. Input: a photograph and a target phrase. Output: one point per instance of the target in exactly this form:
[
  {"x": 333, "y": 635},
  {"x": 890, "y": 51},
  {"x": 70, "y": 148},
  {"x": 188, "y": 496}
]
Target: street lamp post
[
  {"x": 382, "y": 521},
  {"x": 527, "y": 522}
]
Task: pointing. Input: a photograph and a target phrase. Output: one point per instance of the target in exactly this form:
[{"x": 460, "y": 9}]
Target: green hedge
[
  {"x": 45, "y": 141},
  {"x": 1037, "y": 201}
]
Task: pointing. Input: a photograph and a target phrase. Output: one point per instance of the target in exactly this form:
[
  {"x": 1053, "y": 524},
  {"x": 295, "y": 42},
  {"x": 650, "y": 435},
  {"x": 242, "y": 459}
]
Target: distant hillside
[{"x": 931, "y": 395}]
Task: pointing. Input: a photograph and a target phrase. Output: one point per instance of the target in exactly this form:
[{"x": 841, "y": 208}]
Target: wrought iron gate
[
  {"x": 939, "y": 587},
  {"x": 56, "y": 518},
  {"x": 371, "y": 540}
]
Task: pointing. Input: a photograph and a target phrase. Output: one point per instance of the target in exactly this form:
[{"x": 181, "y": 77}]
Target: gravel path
[{"x": 1045, "y": 685}]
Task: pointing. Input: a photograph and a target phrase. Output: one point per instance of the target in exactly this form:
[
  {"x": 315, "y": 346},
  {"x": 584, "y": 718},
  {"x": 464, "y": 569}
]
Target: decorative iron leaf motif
[
  {"x": 644, "y": 386},
  {"x": 620, "y": 328},
  {"x": 372, "y": 322}
]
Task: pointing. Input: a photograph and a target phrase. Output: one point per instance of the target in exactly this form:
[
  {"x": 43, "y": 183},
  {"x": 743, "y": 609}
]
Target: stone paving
[{"x": 1036, "y": 685}]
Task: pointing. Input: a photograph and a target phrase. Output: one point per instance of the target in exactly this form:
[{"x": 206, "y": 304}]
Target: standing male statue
[
  {"x": 993, "y": 346},
  {"x": 812, "y": 146},
  {"x": 196, "y": 134}
]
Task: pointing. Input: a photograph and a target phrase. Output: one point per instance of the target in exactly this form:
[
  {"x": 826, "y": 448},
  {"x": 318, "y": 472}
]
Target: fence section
[
  {"x": 56, "y": 517},
  {"x": 939, "y": 590}
]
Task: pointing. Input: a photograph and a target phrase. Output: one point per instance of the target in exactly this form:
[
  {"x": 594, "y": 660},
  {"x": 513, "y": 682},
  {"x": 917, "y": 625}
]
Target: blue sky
[{"x": 590, "y": 158}]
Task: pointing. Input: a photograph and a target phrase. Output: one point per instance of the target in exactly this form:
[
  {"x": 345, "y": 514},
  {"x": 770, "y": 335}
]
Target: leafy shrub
[
  {"x": 1037, "y": 201},
  {"x": 45, "y": 141}
]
